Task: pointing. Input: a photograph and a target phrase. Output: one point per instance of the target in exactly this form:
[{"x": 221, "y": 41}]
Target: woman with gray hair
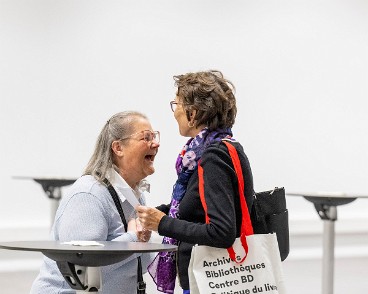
[{"x": 123, "y": 157}]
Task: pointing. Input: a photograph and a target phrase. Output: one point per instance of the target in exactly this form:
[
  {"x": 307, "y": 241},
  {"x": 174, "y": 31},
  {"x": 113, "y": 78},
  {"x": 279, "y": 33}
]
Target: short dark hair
[{"x": 211, "y": 95}]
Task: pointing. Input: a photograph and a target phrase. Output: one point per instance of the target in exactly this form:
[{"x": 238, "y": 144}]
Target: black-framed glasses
[
  {"x": 174, "y": 105},
  {"x": 148, "y": 136}
]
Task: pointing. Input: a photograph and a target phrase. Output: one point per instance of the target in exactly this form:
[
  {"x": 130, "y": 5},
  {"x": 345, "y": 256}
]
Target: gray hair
[{"x": 120, "y": 125}]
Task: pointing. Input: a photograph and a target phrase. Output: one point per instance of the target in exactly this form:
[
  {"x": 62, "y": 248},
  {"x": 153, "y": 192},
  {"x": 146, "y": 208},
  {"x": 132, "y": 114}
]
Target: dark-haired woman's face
[
  {"x": 181, "y": 118},
  {"x": 183, "y": 123}
]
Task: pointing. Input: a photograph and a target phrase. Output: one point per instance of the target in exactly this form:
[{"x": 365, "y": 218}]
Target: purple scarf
[{"x": 163, "y": 267}]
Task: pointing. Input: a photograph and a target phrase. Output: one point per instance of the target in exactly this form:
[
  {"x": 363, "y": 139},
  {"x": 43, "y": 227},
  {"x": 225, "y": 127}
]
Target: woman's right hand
[
  {"x": 149, "y": 217},
  {"x": 143, "y": 234}
]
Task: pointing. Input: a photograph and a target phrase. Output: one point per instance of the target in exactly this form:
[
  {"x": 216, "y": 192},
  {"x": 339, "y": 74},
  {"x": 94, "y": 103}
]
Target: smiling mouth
[{"x": 150, "y": 157}]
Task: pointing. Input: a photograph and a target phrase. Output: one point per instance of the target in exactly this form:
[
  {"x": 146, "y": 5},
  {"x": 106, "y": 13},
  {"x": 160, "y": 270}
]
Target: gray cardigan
[{"x": 88, "y": 212}]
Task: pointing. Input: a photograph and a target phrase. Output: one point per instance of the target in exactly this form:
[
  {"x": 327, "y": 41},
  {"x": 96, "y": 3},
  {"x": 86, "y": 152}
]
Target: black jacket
[{"x": 222, "y": 198}]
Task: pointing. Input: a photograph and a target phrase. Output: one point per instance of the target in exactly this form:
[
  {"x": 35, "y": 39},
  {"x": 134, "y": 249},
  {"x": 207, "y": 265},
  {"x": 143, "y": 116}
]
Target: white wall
[{"x": 300, "y": 68}]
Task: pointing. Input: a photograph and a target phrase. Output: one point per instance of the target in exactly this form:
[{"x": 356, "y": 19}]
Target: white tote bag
[
  {"x": 211, "y": 270},
  {"x": 251, "y": 265}
]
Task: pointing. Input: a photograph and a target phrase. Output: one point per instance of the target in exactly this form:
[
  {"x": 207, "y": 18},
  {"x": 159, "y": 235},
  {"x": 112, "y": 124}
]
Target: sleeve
[
  {"x": 165, "y": 208},
  {"x": 219, "y": 190},
  {"x": 83, "y": 218},
  {"x": 86, "y": 218}
]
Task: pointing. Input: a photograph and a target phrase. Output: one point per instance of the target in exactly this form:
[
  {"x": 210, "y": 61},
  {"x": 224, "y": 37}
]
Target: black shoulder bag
[
  {"x": 141, "y": 284},
  {"x": 270, "y": 215}
]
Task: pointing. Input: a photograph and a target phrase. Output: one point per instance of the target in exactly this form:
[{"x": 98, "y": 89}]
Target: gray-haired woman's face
[{"x": 138, "y": 156}]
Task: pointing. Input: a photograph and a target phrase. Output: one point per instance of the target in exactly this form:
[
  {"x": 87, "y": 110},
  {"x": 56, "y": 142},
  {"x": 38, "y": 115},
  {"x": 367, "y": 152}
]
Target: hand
[
  {"x": 149, "y": 217},
  {"x": 132, "y": 226},
  {"x": 143, "y": 234}
]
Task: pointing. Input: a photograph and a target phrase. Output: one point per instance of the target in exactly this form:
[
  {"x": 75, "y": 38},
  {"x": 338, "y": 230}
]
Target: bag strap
[
  {"x": 141, "y": 284},
  {"x": 246, "y": 226},
  {"x": 115, "y": 197}
]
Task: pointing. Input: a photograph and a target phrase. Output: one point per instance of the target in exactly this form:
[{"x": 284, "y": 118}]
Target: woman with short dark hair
[{"x": 205, "y": 110}]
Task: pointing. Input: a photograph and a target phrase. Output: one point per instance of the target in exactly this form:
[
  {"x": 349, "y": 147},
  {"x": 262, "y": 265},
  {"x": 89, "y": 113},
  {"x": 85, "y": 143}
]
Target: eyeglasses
[
  {"x": 174, "y": 105},
  {"x": 148, "y": 136}
]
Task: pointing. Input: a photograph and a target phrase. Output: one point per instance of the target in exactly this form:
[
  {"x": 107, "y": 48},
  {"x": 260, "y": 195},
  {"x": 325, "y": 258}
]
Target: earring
[{"x": 190, "y": 124}]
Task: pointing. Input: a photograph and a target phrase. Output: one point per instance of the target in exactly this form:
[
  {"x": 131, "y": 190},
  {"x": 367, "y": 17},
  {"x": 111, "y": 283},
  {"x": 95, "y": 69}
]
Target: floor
[{"x": 302, "y": 277}]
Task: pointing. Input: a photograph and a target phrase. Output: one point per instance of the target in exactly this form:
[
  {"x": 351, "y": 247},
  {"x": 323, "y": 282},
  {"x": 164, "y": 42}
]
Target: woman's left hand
[
  {"x": 143, "y": 234},
  {"x": 149, "y": 217}
]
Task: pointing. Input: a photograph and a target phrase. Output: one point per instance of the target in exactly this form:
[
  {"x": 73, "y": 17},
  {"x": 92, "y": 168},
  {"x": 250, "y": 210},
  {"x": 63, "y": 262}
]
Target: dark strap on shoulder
[
  {"x": 141, "y": 284},
  {"x": 116, "y": 199}
]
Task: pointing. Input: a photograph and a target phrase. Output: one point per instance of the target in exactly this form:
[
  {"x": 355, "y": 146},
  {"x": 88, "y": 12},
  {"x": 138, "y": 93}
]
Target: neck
[
  {"x": 132, "y": 183},
  {"x": 195, "y": 131}
]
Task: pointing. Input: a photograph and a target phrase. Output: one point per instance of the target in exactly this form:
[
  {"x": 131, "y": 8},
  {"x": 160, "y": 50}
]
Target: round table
[
  {"x": 325, "y": 204},
  {"x": 79, "y": 264}
]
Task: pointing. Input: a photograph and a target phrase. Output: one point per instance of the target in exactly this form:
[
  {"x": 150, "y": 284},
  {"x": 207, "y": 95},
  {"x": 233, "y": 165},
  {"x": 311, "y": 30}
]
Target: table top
[
  {"x": 51, "y": 181},
  {"x": 328, "y": 198},
  {"x": 110, "y": 247},
  {"x": 328, "y": 194},
  {"x": 111, "y": 252}
]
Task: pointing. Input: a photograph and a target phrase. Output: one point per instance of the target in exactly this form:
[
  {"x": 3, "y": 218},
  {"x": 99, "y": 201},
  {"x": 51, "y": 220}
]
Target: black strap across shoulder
[{"x": 141, "y": 284}]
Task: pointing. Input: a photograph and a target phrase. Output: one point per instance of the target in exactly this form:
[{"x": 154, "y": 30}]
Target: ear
[
  {"x": 117, "y": 148},
  {"x": 192, "y": 115}
]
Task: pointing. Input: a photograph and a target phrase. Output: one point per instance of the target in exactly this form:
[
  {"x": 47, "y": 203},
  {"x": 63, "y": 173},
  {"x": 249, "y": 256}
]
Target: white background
[{"x": 300, "y": 69}]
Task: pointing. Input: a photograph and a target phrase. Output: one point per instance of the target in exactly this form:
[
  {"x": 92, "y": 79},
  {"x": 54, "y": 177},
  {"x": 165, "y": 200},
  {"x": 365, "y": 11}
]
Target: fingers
[
  {"x": 144, "y": 215},
  {"x": 145, "y": 235},
  {"x": 138, "y": 225},
  {"x": 141, "y": 209},
  {"x": 149, "y": 217}
]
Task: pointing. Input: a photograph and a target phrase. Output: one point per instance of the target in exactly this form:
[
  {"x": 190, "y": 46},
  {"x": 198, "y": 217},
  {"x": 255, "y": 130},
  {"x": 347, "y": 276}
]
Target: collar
[{"x": 124, "y": 191}]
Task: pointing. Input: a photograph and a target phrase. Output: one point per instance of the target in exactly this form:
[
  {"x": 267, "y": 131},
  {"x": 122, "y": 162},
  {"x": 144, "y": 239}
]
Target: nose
[{"x": 154, "y": 144}]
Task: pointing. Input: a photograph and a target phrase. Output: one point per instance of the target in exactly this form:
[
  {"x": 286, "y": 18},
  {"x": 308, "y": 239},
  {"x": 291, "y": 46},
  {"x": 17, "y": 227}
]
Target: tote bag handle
[{"x": 246, "y": 226}]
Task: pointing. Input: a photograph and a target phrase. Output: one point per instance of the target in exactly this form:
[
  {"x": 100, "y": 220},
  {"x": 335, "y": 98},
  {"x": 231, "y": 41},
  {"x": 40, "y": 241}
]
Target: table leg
[
  {"x": 54, "y": 203},
  {"x": 92, "y": 279},
  {"x": 326, "y": 207},
  {"x": 81, "y": 278},
  {"x": 328, "y": 213},
  {"x": 328, "y": 257}
]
